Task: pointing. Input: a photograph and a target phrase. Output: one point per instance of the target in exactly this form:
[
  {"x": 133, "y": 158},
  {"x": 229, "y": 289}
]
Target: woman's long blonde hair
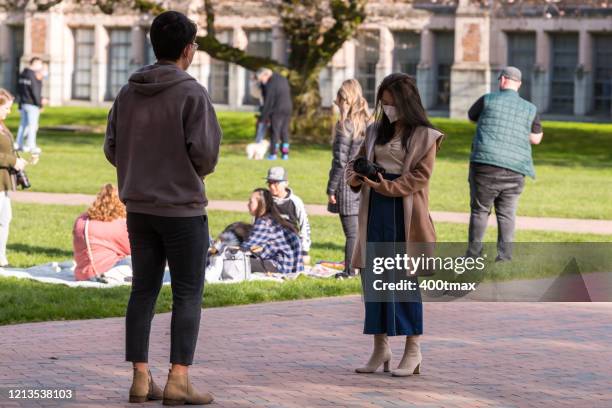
[
  {"x": 357, "y": 111},
  {"x": 107, "y": 206}
]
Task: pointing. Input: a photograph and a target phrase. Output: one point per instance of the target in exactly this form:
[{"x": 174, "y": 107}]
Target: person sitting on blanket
[
  {"x": 273, "y": 241},
  {"x": 290, "y": 206},
  {"x": 100, "y": 237}
]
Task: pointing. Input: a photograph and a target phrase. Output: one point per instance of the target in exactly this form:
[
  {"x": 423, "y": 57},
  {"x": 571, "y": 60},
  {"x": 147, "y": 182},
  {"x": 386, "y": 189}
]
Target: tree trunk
[{"x": 310, "y": 123}]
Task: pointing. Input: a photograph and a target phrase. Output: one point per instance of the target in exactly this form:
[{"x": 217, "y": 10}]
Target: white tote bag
[{"x": 236, "y": 265}]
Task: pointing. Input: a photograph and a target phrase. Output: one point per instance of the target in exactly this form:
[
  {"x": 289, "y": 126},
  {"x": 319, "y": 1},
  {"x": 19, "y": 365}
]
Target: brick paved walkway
[
  {"x": 571, "y": 225},
  {"x": 302, "y": 353}
]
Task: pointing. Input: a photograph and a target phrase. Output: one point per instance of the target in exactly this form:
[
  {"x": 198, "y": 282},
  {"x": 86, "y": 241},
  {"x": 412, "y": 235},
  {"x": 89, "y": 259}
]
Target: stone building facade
[{"x": 455, "y": 52}]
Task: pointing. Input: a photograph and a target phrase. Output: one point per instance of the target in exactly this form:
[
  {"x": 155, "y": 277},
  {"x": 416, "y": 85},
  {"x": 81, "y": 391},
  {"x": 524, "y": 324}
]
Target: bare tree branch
[
  {"x": 348, "y": 16},
  {"x": 213, "y": 47},
  {"x": 46, "y": 5},
  {"x": 146, "y": 6},
  {"x": 216, "y": 49},
  {"x": 106, "y": 6},
  {"x": 10, "y": 5},
  {"x": 210, "y": 17}
]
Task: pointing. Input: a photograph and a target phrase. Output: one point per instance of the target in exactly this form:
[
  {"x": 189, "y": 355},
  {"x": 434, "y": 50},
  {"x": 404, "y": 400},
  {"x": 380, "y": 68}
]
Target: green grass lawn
[
  {"x": 573, "y": 165},
  {"x": 42, "y": 233},
  {"x": 30, "y": 301}
]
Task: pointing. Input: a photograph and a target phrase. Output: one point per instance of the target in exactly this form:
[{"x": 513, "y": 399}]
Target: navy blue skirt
[{"x": 386, "y": 224}]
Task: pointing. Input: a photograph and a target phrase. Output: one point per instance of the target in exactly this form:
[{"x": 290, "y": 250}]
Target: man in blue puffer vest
[{"x": 507, "y": 125}]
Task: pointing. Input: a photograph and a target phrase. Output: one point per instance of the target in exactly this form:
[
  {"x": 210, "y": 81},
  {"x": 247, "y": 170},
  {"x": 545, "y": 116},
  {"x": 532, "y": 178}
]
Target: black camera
[
  {"x": 21, "y": 179},
  {"x": 366, "y": 168}
]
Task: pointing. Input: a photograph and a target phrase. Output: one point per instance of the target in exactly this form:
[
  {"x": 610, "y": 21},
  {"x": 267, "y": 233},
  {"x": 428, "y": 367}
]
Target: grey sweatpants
[{"x": 492, "y": 186}]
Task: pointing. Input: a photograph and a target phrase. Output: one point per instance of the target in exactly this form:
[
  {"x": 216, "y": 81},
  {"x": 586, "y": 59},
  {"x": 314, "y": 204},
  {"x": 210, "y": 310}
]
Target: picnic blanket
[{"x": 63, "y": 273}]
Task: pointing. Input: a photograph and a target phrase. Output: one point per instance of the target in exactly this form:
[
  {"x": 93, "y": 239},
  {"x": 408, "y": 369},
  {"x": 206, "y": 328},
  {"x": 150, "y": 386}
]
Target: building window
[
  {"x": 16, "y": 33},
  {"x": 149, "y": 54},
  {"x": 564, "y": 62},
  {"x": 119, "y": 51},
  {"x": 366, "y": 58},
  {"x": 218, "y": 80},
  {"x": 521, "y": 54},
  {"x": 326, "y": 87},
  {"x": 406, "y": 52},
  {"x": 445, "y": 56},
  {"x": 260, "y": 45},
  {"x": 84, "y": 45},
  {"x": 602, "y": 63}
]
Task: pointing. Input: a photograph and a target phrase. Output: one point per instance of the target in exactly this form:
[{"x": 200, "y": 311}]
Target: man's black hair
[
  {"x": 170, "y": 33},
  {"x": 33, "y": 60}
]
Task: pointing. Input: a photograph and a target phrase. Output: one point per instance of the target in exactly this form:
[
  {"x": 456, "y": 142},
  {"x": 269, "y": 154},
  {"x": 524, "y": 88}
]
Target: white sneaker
[{"x": 25, "y": 149}]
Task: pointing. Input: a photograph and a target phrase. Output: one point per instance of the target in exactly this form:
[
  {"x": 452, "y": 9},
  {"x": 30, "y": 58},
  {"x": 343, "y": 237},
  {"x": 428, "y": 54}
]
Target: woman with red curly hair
[{"x": 100, "y": 236}]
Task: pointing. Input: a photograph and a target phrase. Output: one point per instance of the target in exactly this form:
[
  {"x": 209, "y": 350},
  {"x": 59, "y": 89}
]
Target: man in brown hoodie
[{"x": 163, "y": 137}]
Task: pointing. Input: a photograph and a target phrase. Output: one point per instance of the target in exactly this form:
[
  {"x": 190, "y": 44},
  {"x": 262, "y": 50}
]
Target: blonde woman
[
  {"x": 348, "y": 136},
  {"x": 9, "y": 162},
  {"x": 100, "y": 236}
]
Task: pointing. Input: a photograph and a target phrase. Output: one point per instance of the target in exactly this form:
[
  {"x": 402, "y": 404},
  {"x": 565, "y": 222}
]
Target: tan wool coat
[{"x": 412, "y": 186}]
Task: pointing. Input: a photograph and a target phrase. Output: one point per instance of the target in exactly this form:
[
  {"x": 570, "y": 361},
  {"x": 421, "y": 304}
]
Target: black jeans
[
  {"x": 183, "y": 242},
  {"x": 261, "y": 265},
  {"x": 492, "y": 186},
  {"x": 349, "y": 226},
  {"x": 279, "y": 129}
]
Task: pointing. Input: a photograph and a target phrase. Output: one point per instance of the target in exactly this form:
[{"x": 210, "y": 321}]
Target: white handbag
[{"x": 236, "y": 265}]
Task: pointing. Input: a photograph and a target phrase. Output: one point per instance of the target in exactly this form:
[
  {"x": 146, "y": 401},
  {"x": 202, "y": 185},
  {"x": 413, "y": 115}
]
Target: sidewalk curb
[{"x": 571, "y": 225}]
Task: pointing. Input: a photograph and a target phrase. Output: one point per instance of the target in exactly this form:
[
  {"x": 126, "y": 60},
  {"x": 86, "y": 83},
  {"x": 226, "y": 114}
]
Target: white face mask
[{"x": 391, "y": 112}]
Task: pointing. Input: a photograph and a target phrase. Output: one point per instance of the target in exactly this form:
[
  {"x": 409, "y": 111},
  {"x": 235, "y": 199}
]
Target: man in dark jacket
[
  {"x": 163, "y": 137},
  {"x": 507, "y": 125},
  {"x": 277, "y": 110},
  {"x": 29, "y": 97}
]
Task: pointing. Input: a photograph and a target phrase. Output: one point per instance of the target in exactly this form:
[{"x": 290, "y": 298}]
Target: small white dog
[{"x": 257, "y": 151}]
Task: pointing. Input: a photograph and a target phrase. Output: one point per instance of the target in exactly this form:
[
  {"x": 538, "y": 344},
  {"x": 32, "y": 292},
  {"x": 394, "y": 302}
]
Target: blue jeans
[
  {"x": 28, "y": 126},
  {"x": 6, "y": 214},
  {"x": 262, "y": 129}
]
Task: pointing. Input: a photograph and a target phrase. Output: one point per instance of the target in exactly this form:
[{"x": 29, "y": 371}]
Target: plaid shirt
[{"x": 281, "y": 246}]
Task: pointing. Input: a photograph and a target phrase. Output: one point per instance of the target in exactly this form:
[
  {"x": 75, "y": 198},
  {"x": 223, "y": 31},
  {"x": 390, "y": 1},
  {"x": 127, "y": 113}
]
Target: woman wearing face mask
[{"x": 394, "y": 209}]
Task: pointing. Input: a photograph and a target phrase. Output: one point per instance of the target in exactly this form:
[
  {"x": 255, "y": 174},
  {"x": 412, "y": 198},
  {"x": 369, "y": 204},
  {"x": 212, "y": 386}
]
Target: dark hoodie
[
  {"x": 29, "y": 89},
  {"x": 163, "y": 137}
]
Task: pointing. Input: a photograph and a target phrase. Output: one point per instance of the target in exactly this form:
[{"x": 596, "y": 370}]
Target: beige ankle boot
[
  {"x": 380, "y": 355},
  {"x": 179, "y": 391},
  {"x": 144, "y": 388},
  {"x": 411, "y": 361}
]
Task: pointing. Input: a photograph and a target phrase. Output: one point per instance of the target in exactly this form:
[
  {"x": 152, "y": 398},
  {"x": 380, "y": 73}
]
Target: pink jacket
[{"x": 106, "y": 244}]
